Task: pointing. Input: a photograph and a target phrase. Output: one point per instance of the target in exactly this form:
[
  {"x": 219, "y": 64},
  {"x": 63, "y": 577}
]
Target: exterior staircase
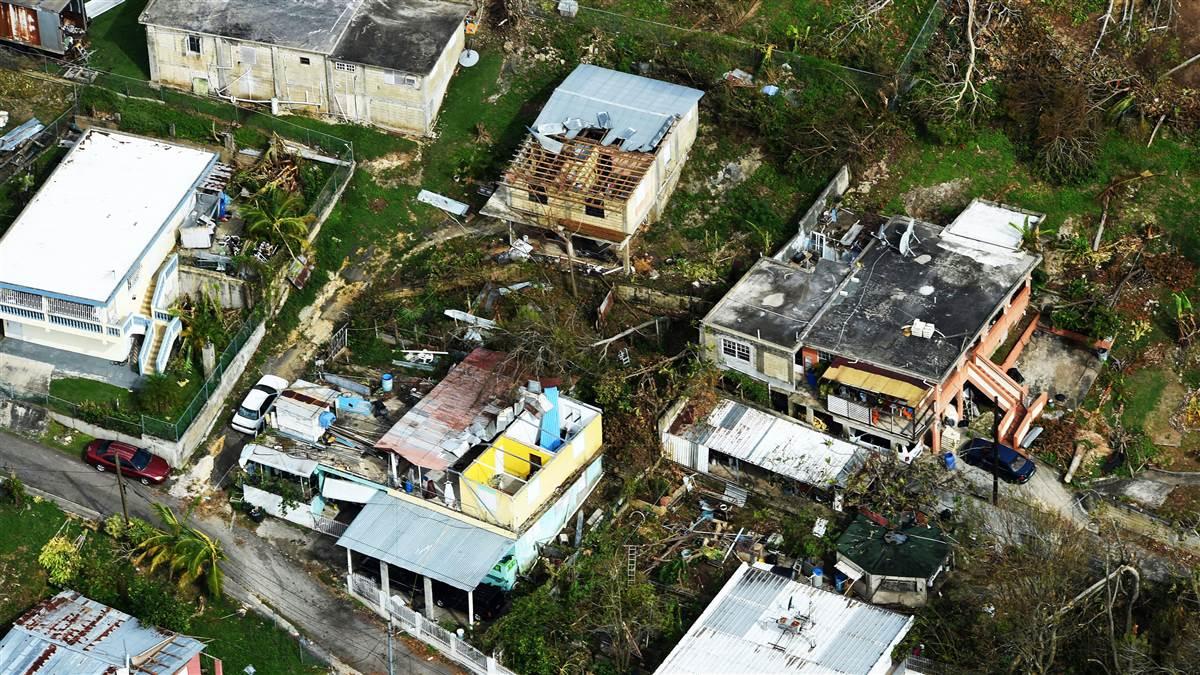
[
  {"x": 998, "y": 387},
  {"x": 155, "y": 346}
]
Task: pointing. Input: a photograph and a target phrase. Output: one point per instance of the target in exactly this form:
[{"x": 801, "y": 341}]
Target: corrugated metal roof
[
  {"x": 450, "y": 419},
  {"x": 637, "y": 109},
  {"x": 739, "y": 631},
  {"x": 73, "y": 634},
  {"x": 777, "y": 444},
  {"x": 425, "y": 541}
]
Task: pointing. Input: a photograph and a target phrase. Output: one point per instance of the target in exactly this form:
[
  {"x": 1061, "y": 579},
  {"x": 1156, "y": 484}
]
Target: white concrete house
[
  {"x": 380, "y": 62},
  {"x": 88, "y": 263}
]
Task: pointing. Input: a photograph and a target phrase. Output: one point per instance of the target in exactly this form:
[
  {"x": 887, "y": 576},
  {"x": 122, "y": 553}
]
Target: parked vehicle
[
  {"x": 252, "y": 414},
  {"x": 490, "y": 601},
  {"x": 136, "y": 463},
  {"x": 1009, "y": 464}
]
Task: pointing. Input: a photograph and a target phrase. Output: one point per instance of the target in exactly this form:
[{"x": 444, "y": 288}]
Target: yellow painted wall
[{"x": 512, "y": 511}]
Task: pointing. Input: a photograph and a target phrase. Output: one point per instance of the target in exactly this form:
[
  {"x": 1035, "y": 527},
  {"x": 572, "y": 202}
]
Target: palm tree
[
  {"x": 276, "y": 215},
  {"x": 185, "y": 551}
]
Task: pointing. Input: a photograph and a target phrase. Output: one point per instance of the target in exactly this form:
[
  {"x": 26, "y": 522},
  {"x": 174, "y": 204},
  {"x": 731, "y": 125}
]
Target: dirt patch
[
  {"x": 1188, "y": 29},
  {"x": 395, "y": 169},
  {"x": 378, "y": 205},
  {"x": 928, "y": 202}
]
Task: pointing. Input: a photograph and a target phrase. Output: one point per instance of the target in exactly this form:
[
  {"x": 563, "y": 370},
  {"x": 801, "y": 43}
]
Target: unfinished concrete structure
[
  {"x": 386, "y": 63},
  {"x": 884, "y": 328},
  {"x": 601, "y": 160}
]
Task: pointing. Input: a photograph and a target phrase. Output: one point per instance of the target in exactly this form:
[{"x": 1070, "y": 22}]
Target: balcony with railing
[{"x": 868, "y": 409}]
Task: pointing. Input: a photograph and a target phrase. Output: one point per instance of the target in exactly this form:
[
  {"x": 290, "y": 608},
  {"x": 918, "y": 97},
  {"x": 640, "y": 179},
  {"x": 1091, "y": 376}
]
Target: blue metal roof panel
[
  {"x": 637, "y": 109},
  {"x": 425, "y": 541}
]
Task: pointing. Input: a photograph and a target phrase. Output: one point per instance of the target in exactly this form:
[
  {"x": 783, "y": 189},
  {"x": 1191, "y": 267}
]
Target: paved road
[
  {"x": 1044, "y": 489},
  {"x": 257, "y": 572}
]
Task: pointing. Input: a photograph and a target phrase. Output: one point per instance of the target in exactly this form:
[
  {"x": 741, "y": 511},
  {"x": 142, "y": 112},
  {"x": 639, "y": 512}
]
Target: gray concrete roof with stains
[
  {"x": 776, "y": 301},
  {"x": 945, "y": 280},
  {"x": 309, "y": 25},
  {"x": 406, "y": 35}
]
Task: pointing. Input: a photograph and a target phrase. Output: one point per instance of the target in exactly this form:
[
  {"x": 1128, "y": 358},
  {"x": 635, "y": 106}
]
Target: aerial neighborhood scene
[{"x": 551, "y": 337}]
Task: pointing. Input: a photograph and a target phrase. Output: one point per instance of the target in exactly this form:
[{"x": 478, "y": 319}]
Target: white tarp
[
  {"x": 261, "y": 454},
  {"x": 347, "y": 491}
]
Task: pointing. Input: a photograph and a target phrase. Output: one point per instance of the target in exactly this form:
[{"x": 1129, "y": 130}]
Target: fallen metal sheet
[
  {"x": 444, "y": 203},
  {"x": 19, "y": 135},
  {"x": 347, "y": 384}
]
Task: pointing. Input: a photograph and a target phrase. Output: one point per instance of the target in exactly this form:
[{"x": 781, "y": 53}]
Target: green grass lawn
[
  {"x": 70, "y": 441},
  {"x": 78, "y": 390},
  {"x": 119, "y": 41},
  {"x": 1143, "y": 390},
  {"x": 23, "y": 532}
]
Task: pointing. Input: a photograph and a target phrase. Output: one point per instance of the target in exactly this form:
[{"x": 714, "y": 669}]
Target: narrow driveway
[
  {"x": 1043, "y": 490},
  {"x": 257, "y": 573}
]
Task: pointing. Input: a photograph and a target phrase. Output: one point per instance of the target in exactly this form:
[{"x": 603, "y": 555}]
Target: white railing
[
  {"x": 164, "y": 290},
  {"x": 173, "y": 330},
  {"x": 147, "y": 345},
  {"x": 330, "y": 527},
  {"x": 411, "y": 622}
]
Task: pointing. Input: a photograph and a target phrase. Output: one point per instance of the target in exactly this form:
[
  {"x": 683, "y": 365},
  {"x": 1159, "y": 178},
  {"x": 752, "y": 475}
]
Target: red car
[{"x": 135, "y": 462}]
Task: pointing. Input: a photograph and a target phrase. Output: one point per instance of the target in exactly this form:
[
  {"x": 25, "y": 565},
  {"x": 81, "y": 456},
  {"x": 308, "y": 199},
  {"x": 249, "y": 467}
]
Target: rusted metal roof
[
  {"x": 474, "y": 398},
  {"x": 73, "y": 634}
]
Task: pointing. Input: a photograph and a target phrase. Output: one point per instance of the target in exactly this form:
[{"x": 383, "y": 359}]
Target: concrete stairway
[
  {"x": 160, "y": 330},
  {"x": 998, "y": 387}
]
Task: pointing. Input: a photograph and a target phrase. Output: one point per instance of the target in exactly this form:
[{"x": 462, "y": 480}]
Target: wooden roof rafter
[{"x": 584, "y": 168}]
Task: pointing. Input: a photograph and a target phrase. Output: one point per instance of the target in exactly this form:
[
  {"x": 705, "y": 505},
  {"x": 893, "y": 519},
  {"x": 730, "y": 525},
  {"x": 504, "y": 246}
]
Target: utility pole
[
  {"x": 121, "y": 487},
  {"x": 391, "y": 666},
  {"x": 996, "y": 454}
]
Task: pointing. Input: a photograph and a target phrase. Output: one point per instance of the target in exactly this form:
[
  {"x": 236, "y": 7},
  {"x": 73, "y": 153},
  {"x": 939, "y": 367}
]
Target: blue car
[{"x": 1010, "y": 465}]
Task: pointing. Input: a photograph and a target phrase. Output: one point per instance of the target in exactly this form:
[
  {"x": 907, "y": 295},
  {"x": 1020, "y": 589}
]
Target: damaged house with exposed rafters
[
  {"x": 598, "y": 165},
  {"x": 883, "y": 330}
]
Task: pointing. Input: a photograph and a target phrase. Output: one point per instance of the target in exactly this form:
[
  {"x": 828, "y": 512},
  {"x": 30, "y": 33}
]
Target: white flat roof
[
  {"x": 825, "y": 633},
  {"x": 985, "y": 225},
  {"x": 96, "y": 215}
]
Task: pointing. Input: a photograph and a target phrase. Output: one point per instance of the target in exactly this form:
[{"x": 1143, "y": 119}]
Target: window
[
  {"x": 193, "y": 44},
  {"x": 735, "y": 349},
  {"x": 393, "y": 77},
  {"x": 249, "y": 55},
  {"x": 898, "y": 586},
  {"x": 304, "y": 61},
  {"x": 537, "y": 194},
  {"x": 594, "y": 207},
  {"x": 824, "y": 357},
  {"x": 345, "y": 67}
]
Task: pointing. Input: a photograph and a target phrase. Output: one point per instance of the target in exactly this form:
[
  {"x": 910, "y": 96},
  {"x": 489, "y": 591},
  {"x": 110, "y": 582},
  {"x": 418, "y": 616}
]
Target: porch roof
[
  {"x": 871, "y": 379},
  {"x": 425, "y": 541}
]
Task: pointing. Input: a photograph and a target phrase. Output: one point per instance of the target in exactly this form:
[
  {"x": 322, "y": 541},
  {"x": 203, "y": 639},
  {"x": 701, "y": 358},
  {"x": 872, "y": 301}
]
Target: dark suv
[{"x": 1009, "y": 465}]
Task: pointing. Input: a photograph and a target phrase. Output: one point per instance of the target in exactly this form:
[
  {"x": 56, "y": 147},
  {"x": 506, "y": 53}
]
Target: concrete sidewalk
[{"x": 257, "y": 572}]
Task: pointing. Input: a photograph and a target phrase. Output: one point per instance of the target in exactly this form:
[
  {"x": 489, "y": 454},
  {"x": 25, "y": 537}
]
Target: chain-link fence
[
  {"x": 173, "y": 430},
  {"x": 919, "y": 44}
]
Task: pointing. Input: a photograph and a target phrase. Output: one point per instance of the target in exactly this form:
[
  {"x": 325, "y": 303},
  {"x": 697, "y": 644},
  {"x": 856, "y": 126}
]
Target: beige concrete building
[
  {"x": 600, "y": 162},
  {"x": 385, "y": 63}
]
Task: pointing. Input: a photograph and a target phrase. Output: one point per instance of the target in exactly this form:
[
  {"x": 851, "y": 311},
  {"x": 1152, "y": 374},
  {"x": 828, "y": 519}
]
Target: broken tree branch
[
  {"x": 1181, "y": 66},
  {"x": 1155, "y": 132},
  {"x": 1103, "y": 27}
]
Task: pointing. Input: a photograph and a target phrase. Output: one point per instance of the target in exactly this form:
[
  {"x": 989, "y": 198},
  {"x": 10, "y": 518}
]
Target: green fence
[{"x": 174, "y": 430}]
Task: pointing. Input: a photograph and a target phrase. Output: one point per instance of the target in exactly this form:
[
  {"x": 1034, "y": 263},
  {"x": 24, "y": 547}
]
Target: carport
[{"x": 425, "y": 540}]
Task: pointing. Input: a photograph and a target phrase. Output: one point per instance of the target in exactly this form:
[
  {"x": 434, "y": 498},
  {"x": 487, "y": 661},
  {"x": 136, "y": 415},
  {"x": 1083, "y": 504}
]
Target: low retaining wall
[
  {"x": 23, "y": 418},
  {"x": 229, "y": 291}
]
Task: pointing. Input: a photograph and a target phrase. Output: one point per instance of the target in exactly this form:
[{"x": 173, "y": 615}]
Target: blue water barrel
[
  {"x": 387, "y": 382},
  {"x": 950, "y": 460},
  {"x": 326, "y": 419},
  {"x": 839, "y": 581}
]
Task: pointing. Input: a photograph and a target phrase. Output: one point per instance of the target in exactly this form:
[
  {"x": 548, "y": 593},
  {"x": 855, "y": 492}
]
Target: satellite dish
[{"x": 468, "y": 58}]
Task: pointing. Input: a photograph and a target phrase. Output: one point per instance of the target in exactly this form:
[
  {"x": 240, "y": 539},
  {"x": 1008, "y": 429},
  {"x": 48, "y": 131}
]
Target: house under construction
[{"x": 600, "y": 161}]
